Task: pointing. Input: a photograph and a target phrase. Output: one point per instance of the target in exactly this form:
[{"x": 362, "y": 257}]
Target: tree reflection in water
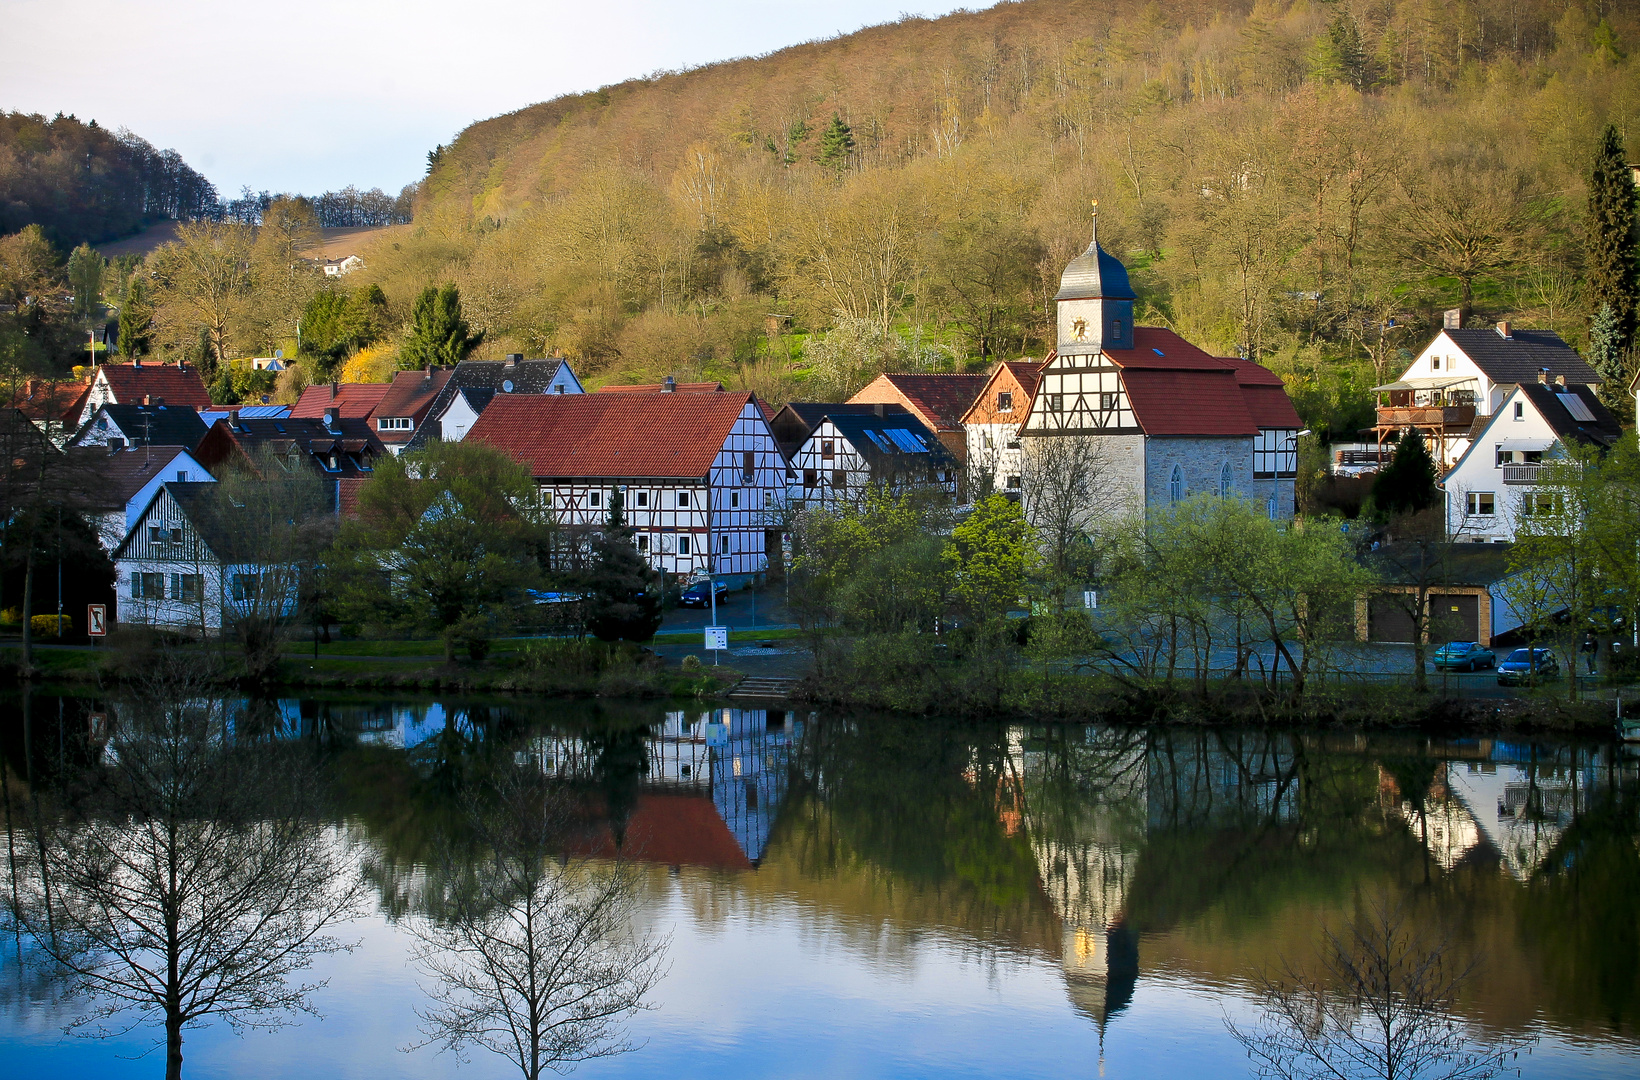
[
  {"x": 186, "y": 875},
  {"x": 534, "y": 955}
]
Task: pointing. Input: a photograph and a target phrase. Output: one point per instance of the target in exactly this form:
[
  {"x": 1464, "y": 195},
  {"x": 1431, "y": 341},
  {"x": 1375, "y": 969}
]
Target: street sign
[
  {"x": 96, "y": 619},
  {"x": 717, "y": 637}
]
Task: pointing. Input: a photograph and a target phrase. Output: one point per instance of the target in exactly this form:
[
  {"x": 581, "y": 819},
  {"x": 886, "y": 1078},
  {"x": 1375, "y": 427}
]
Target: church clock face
[{"x": 1079, "y": 329}]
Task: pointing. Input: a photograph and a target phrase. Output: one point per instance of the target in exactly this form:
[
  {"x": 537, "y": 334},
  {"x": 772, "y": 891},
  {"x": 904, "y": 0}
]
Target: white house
[
  {"x": 1495, "y": 480},
  {"x": 991, "y": 427},
  {"x": 1461, "y": 378},
  {"x": 141, "y": 425},
  {"x": 699, "y": 474},
  {"x": 1167, "y": 419},
  {"x": 341, "y": 267},
  {"x": 174, "y": 570},
  {"x": 129, "y": 479},
  {"x": 850, "y": 450},
  {"x": 475, "y": 383}
]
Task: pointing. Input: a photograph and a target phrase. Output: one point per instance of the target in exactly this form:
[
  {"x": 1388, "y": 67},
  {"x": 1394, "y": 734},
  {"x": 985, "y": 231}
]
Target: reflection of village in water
[{"x": 1110, "y": 830}]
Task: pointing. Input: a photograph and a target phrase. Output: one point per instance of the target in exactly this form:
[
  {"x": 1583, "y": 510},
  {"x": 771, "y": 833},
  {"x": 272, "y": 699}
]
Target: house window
[
  {"x": 723, "y": 547},
  {"x": 1532, "y": 457},
  {"x": 596, "y": 498},
  {"x": 187, "y": 586},
  {"x": 1270, "y": 507},
  {"x": 246, "y": 586},
  {"x": 827, "y": 448},
  {"x": 156, "y": 534},
  {"x": 811, "y": 478},
  {"x": 1434, "y": 363},
  {"x": 1005, "y": 401},
  {"x": 392, "y": 423},
  {"x": 1520, "y": 411},
  {"x": 1175, "y": 485},
  {"x": 748, "y": 465},
  {"x": 1011, "y": 483},
  {"x": 643, "y": 498},
  {"x": 683, "y": 545},
  {"x": 734, "y": 500},
  {"x": 1056, "y": 402},
  {"x": 1482, "y": 504},
  {"x": 1107, "y": 402},
  {"x": 1504, "y": 457},
  {"x": 1226, "y": 481},
  {"x": 147, "y": 586},
  {"x": 683, "y": 500},
  {"x": 182, "y": 476},
  {"x": 1116, "y": 330},
  {"x": 643, "y": 543},
  {"x": 839, "y": 478}
]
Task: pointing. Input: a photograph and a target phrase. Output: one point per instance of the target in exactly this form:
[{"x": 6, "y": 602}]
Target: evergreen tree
[
  {"x": 136, "y": 327},
  {"x": 1613, "y": 243},
  {"x": 1339, "y": 53},
  {"x": 1606, "y": 348},
  {"x": 439, "y": 335},
  {"x": 623, "y": 602},
  {"x": 836, "y": 144},
  {"x": 222, "y": 390},
  {"x": 1407, "y": 484}
]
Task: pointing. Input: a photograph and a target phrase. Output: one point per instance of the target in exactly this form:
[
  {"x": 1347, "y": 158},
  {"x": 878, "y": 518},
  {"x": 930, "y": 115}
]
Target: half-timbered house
[
  {"x": 991, "y": 428},
  {"x": 699, "y": 475},
  {"x": 849, "y": 451},
  {"x": 1168, "y": 420}
]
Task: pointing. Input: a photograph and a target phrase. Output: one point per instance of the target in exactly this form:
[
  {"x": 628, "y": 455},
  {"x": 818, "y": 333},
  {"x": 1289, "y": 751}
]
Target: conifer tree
[
  {"x": 1606, "y": 347},
  {"x": 1613, "y": 244},
  {"x": 836, "y": 143},
  {"x": 1407, "y": 484},
  {"x": 623, "y": 590},
  {"x": 438, "y": 332},
  {"x": 136, "y": 333}
]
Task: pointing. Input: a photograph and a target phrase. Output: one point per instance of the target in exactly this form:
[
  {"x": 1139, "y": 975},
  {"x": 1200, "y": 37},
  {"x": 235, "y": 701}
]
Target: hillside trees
[
  {"x": 438, "y": 334},
  {"x": 1613, "y": 240},
  {"x": 203, "y": 284}
]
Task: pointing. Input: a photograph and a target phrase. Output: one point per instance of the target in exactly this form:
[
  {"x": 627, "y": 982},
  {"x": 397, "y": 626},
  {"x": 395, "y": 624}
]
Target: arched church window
[
  {"x": 1175, "y": 485},
  {"x": 1226, "y": 481}
]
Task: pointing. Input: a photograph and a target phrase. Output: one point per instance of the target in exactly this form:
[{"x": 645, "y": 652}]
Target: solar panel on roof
[
  {"x": 1576, "y": 407},
  {"x": 880, "y": 442},
  {"x": 905, "y": 440}
]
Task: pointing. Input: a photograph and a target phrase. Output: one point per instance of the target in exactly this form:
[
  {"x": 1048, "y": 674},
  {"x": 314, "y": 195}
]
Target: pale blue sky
[{"x": 313, "y": 96}]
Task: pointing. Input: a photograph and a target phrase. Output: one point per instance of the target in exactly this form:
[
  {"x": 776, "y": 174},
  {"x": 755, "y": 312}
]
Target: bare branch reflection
[{"x": 534, "y": 957}]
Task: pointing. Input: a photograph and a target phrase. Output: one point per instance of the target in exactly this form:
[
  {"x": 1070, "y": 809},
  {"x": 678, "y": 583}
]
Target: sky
[{"x": 310, "y": 97}]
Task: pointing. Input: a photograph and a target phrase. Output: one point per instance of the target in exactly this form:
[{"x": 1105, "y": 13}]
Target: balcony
[
  {"x": 1521, "y": 474},
  {"x": 1449, "y": 419}
]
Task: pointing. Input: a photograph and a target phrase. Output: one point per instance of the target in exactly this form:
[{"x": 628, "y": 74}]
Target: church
[{"x": 1163, "y": 419}]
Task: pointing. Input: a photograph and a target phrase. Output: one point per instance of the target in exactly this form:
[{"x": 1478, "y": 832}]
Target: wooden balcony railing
[{"x": 1451, "y": 419}]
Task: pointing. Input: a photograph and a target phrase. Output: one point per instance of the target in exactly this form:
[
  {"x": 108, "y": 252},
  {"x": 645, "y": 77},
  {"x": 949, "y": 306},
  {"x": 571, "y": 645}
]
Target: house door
[{"x": 1454, "y": 617}]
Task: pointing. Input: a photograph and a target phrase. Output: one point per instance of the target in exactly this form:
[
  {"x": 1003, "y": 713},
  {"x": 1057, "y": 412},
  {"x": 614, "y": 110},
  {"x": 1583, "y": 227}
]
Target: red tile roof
[
  {"x": 61, "y": 400},
  {"x": 1266, "y": 395},
  {"x": 1028, "y": 373},
  {"x": 410, "y": 394},
  {"x": 1156, "y": 347},
  {"x": 656, "y": 388},
  {"x": 938, "y": 400},
  {"x": 609, "y": 435},
  {"x": 354, "y": 399},
  {"x": 177, "y": 385},
  {"x": 1188, "y": 402}
]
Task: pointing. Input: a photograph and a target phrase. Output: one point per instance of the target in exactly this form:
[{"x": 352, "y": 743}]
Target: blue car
[
  {"x": 1463, "y": 656},
  {"x": 700, "y": 594},
  {"x": 1524, "y": 667}
]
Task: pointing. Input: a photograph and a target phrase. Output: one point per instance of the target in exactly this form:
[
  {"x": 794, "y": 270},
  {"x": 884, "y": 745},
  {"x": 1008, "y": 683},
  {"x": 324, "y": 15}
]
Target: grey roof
[
  {"x": 1095, "y": 273},
  {"x": 1519, "y": 357},
  {"x": 122, "y": 474},
  {"x": 150, "y": 425},
  {"x": 480, "y": 380},
  {"x": 796, "y": 421},
  {"x": 1601, "y": 430},
  {"x": 884, "y": 452},
  {"x": 193, "y": 499}
]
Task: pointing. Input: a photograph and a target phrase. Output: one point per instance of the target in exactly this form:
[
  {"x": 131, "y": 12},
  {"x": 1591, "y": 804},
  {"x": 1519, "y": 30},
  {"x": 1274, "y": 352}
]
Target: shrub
[
  {"x": 51, "y": 625},
  {"x": 11, "y": 617}
]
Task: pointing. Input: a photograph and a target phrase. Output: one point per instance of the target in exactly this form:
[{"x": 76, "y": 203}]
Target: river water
[{"x": 874, "y": 896}]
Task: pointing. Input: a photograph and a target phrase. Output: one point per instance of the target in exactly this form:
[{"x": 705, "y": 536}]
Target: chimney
[
  {"x": 333, "y": 419},
  {"x": 136, "y": 361},
  {"x": 513, "y": 358},
  {"x": 182, "y": 362},
  {"x": 1503, "y": 330},
  {"x": 147, "y": 400},
  {"x": 116, "y": 445},
  {"x": 1452, "y": 319},
  {"x": 1560, "y": 380},
  {"x": 333, "y": 390},
  {"x": 880, "y": 409},
  {"x": 233, "y": 419},
  {"x": 670, "y": 386},
  {"x": 428, "y": 374},
  {"x": 30, "y": 391},
  {"x": 1543, "y": 376}
]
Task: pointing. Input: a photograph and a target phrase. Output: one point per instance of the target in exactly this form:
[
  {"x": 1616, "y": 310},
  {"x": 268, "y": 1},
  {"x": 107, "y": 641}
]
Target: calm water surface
[{"x": 869, "y": 896}]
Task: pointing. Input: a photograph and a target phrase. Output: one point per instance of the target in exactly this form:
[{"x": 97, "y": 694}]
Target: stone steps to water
[{"x": 763, "y": 689}]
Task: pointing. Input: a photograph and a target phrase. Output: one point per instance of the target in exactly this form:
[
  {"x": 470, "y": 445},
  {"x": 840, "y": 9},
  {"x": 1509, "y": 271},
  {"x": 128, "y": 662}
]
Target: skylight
[{"x": 1157, "y": 351}]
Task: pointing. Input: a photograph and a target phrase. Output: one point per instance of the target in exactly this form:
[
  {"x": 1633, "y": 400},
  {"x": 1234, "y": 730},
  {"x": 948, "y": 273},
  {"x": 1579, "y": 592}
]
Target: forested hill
[
  {"x": 1283, "y": 177},
  {"x": 83, "y": 183}
]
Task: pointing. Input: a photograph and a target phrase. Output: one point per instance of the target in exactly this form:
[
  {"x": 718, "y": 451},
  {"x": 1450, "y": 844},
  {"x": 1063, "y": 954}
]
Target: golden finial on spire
[{"x": 1096, "y": 208}]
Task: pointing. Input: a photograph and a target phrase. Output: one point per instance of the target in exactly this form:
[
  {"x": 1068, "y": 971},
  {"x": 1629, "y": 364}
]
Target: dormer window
[{"x": 392, "y": 423}]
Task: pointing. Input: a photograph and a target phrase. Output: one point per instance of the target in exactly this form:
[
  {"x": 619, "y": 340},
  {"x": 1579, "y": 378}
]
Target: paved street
[{"x": 746, "y": 609}]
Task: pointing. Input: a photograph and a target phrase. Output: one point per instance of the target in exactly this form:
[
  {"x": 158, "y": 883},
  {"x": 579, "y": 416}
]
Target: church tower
[{"x": 1094, "y": 302}]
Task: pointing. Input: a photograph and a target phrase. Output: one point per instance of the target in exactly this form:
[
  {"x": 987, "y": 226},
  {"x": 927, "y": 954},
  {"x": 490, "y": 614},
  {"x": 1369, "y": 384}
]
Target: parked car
[
  {"x": 1463, "y": 656},
  {"x": 1527, "y": 666},
  {"x": 700, "y": 594}
]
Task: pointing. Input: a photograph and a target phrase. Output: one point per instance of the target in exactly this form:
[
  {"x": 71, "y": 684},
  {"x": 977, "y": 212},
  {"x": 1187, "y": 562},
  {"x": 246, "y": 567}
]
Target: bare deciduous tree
[
  {"x": 1070, "y": 488},
  {"x": 533, "y": 957},
  {"x": 1383, "y": 1006},
  {"x": 192, "y": 879}
]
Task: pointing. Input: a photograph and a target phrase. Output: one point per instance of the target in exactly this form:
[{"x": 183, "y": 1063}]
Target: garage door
[
  {"x": 1388, "y": 621},
  {"x": 1455, "y": 617}
]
